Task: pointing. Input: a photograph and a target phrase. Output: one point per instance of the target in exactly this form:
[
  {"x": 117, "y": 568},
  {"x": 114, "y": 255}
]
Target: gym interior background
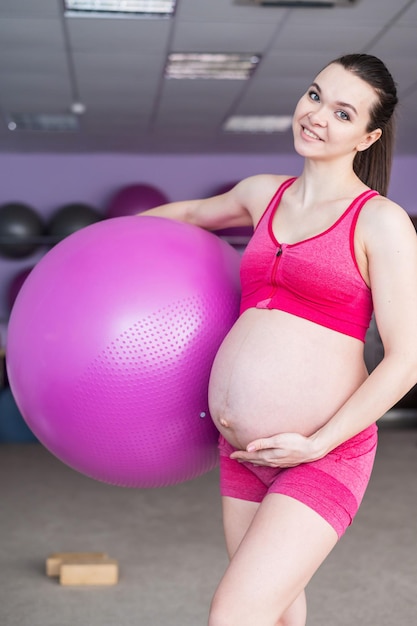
[{"x": 88, "y": 109}]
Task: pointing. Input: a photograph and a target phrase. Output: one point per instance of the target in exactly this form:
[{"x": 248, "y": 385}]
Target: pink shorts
[{"x": 332, "y": 486}]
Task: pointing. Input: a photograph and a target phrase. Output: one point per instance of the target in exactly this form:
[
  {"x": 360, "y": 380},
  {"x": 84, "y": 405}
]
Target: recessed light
[
  {"x": 258, "y": 123},
  {"x": 78, "y": 108},
  {"x": 44, "y": 122},
  {"x": 211, "y": 65},
  {"x": 119, "y": 8},
  {"x": 298, "y": 4}
]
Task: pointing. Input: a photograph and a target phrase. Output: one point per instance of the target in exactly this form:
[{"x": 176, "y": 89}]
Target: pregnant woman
[{"x": 289, "y": 390}]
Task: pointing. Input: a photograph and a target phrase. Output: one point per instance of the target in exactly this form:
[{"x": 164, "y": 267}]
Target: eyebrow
[{"x": 345, "y": 105}]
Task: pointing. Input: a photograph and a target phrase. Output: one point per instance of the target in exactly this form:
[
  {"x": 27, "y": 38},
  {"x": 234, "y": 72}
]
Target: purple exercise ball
[
  {"x": 135, "y": 199},
  {"x": 110, "y": 346}
]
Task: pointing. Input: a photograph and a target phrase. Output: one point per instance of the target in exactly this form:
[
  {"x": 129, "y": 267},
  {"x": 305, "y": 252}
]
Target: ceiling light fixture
[
  {"x": 257, "y": 123},
  {"x": 78, "y": 108},
  {"x": 298, "y": 4},
  {"x": 44, "y": 122},
  {"x": 119, "y": 8},
  {"x": 211, "y": 65}
]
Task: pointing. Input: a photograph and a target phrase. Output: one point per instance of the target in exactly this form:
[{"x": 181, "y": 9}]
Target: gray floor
[{"x": 170, "y": 547}]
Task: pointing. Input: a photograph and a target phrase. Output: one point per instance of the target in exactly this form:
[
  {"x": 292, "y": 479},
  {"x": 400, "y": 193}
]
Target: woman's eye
[
  {"x": 343, "y": 115},
  {"x": 313, "y": 95}
]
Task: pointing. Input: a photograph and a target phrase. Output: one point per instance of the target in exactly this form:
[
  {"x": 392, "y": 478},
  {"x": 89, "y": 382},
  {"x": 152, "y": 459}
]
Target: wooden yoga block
[
  {"x": 99, "y": 572},
  {"x": 55, "y": 560}
]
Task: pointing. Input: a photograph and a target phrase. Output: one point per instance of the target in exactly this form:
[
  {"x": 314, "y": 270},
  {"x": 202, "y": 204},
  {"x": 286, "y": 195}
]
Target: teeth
[{"x": 310, "y": 134}]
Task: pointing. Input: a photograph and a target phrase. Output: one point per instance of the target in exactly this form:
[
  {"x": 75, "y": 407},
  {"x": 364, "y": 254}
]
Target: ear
[{"x": 369, "y": 139}]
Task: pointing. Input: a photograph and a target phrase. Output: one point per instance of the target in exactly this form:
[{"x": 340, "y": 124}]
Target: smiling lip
[{"x": 309, "y": 133}]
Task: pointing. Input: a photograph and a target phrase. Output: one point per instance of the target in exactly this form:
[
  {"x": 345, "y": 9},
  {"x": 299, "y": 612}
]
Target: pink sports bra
[{"x": 317, "y": 279}]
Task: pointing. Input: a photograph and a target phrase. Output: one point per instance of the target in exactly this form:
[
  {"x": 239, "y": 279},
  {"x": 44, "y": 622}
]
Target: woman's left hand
[{"x": 284, "y": 450}]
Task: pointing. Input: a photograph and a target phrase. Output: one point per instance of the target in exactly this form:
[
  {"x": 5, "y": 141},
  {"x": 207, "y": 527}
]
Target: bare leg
[
  {"x": 237, "y": 517},
  {"x": 275, "y": 549},
  {"x": 296, "y": 614}
]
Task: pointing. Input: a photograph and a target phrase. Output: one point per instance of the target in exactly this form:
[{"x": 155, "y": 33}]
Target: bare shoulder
[
  {"x": 383, "y": 219},
  {"x": 255, "y": 192}
]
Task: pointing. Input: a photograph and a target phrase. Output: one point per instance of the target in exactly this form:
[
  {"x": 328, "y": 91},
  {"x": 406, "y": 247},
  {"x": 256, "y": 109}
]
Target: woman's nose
[{"x": 317, "y": 117}]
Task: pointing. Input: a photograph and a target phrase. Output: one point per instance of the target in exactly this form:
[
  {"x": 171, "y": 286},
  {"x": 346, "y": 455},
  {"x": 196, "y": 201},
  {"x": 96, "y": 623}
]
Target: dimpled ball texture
[{"x": 110, "y": 345}]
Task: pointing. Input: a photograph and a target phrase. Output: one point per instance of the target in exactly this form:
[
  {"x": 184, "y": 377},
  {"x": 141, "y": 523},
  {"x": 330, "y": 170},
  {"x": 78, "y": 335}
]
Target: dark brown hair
[{"x": 373, "y": 166}]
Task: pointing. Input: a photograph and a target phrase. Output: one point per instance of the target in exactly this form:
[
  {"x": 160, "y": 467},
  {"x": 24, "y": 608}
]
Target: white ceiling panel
[
  {"x": 119, "y": 74},
  {"x": 300, "y": 66},
  {"x": 280, "y": 97},
  {"x": 46, "y": 89},
  {"x": 399, "y": 42},
  {"x": 344, "y": 39},
  {"x": 119, "y": 35},
  {"x": 26, "y": 34},
  {"x": 215, "y": 36},
  {"x": 29, "y": 8},
  {"x": 180, "y": 98},
  {"x": 20, "y": 62},
  {"x": 364, "y": 13},
  {"x": 409, "y": 16}
]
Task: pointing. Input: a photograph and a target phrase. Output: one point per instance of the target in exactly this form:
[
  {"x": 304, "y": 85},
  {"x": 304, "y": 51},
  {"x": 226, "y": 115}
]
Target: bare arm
[
  {"x": 391, "y": 248},
  {"x": 241, "y": 206}
]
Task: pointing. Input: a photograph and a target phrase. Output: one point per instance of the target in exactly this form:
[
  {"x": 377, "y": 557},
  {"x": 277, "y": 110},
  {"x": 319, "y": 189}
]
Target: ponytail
[{"x": 373, "y": 166}]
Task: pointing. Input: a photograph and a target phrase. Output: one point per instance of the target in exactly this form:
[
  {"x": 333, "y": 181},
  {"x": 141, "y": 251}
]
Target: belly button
[{"x": 224, "y": 423}]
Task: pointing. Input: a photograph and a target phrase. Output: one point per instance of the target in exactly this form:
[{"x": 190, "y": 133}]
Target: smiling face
[{"x": 331, "y": 119}]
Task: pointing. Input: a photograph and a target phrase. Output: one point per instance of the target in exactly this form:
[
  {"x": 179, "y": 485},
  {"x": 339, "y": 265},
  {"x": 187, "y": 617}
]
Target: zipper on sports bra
[
  {"x": 263, "y": 304},
  {"x": 277, "y": 260}
]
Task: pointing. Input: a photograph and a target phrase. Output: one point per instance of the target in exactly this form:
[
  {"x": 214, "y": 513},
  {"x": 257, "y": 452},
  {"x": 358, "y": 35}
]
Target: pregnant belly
[{"x": 278, "y": 373}]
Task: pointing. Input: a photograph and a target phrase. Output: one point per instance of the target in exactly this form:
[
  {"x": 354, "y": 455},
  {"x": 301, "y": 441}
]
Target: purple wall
[{"x": 47, "y": 181}]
